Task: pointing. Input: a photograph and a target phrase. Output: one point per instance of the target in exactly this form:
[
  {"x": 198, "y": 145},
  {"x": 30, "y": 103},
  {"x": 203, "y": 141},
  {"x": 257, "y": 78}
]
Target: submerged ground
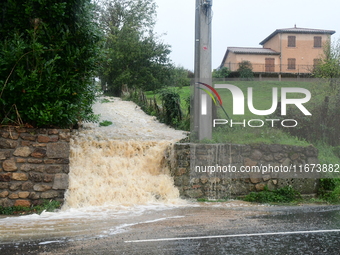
[
  {"x": 121, "y": 200},
  {"x": 211, "y": 228}
]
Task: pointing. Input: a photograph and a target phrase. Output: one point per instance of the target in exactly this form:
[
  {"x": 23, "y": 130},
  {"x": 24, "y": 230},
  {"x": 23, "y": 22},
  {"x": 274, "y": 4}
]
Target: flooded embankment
[
  {"x": 116, "y": 172},
  {"x": 121, "y": 200}
]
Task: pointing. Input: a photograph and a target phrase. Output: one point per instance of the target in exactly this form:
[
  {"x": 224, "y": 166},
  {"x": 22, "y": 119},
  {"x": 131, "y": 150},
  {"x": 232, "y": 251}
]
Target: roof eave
[
  {"x": 257, "y": 53},
  {"x": 280, "y": 31},
  {"x": 224, "y": 58}
]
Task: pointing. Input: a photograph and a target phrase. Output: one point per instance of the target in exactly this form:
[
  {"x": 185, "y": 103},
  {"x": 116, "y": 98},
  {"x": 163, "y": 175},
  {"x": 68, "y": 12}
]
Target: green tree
[
  {"x": 179, "y": 77},
  {"x": 134, "y": 55},
  {"x": 328, "y": 66},
  {"x": 246, "y": 70},
  {"x": 221, "y": 73},
  {"x": 48, "y": 59}
]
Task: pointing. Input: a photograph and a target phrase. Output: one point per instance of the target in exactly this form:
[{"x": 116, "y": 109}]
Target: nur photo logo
[
  {"x": 240, "y": 100},
  {"x": 212, "y": 94}
]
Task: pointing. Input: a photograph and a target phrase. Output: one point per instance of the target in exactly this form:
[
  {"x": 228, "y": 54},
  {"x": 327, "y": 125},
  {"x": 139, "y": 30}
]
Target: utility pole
[{"x": 203, "y": 18}]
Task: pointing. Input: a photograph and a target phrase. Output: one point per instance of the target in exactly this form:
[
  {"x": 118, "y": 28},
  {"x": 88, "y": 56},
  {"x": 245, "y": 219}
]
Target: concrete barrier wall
[
  {"x": 214, "y": 185},
  {"x": 34, "y": 165}
]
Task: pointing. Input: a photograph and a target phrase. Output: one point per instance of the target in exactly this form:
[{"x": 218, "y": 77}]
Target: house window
[
  {"x": 317, "y": 41},
  {"x": 291, "y": 41},
  {"x": 291, "y": 63}
]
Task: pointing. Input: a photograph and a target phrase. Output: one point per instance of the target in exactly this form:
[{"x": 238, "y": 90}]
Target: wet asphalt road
[{"x": 209, "y": 230}]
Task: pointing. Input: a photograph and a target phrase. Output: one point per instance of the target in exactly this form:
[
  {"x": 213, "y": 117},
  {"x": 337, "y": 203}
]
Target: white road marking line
[
  {"x": 48, "y": 242},
  {"x": 237, "y": 235}
]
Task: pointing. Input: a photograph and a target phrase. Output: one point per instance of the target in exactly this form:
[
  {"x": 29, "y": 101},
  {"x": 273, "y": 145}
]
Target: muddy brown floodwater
[
  {"x": 72, "y": 231},
  {"x": 122, "y": 200}
]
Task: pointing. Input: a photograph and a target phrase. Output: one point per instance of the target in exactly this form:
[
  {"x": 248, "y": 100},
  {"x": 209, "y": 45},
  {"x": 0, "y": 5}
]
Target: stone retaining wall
[
  {"x": 34, "y": 165},
  {"x": 221, "y": 185}
]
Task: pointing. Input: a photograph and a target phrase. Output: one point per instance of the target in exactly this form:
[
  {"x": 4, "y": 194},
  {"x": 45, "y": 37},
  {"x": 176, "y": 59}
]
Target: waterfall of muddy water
[
  {"x": 117, "y": 182},
  {"x": 116, "y": 175},
  {"x": 121, "y": 164}
]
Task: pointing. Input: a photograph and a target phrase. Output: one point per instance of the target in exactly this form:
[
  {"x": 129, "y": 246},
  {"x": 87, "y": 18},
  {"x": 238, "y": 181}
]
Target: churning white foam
[
  {"x": 116, "y": 174},
  {"x": 122, "y": 164}
]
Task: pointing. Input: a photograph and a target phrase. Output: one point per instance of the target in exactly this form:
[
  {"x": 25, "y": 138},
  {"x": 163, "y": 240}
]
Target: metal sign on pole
[{"x": 203, "y": 120}]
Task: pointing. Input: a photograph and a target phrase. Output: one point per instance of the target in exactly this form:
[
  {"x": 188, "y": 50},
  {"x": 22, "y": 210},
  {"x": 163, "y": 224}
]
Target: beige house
[{"x": 288, "y": 50}]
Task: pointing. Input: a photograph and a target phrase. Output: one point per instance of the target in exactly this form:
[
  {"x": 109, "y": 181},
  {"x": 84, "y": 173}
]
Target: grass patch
[
  {"x": 105, "y": 123},
  {"x": 327, "y": 154},
  {"x": 251, "y": 136},
  {"x": 49, "y": 206},
  {"x": 329, "y": 190}
]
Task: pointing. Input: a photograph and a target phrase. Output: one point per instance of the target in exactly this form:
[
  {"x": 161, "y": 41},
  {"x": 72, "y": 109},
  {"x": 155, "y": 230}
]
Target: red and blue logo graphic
[{"x": 214, "y": 96}]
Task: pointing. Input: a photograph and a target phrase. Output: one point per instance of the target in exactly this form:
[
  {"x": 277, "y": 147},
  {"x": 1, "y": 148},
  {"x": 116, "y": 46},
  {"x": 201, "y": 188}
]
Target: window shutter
[
  {"x": 291, "y": 41},
  {"x": 291, "y": 63},
  {"x": 317, "y": 41}
]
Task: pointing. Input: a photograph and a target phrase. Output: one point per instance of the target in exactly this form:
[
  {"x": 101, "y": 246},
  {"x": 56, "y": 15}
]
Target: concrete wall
[
  {"x": 34, "y": 165},
  {"x": 221, "y": 185}
]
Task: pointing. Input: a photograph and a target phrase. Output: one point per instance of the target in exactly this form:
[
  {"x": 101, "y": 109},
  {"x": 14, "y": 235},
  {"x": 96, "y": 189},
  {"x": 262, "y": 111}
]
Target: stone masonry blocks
[
  {"x": 34, "y": 165},
  {"x": 217, "y": 186}
]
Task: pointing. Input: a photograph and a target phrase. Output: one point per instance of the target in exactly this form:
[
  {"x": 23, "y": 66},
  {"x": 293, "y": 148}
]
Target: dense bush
[
  {"x": 245, "y": 70},
  {"x": 330, "y": 190},
  {"x": 171, "y": 103},
  {"x": 282, "y": 195},
  {"x": 48, "y": 53},
  {"x": 224, "y": 72}
]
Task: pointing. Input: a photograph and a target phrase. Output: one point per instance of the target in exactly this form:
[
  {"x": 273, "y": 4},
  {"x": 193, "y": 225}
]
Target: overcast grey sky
[{"x": 243, "y": 23}]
